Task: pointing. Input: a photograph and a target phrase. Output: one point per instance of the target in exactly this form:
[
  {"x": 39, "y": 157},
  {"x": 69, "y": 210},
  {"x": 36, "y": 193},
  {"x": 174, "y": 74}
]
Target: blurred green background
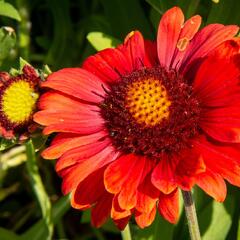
[{"x": 62, "y": 33}]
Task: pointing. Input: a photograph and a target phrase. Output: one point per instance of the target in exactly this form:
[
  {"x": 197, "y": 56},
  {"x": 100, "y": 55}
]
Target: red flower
[{"x": 137, "y": 122}]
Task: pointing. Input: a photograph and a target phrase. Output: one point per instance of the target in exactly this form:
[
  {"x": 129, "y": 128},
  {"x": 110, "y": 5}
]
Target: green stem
[
  {"x": 191, "y": 215},
  {"x": 38, "y": 187},
  {"x": 126, "y": 233}
]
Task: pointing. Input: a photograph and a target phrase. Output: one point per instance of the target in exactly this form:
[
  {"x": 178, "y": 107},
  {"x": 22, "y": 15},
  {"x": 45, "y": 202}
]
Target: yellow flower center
[
  {"x": 148, "y": 102},
  {"x": 18, "y": 101}
]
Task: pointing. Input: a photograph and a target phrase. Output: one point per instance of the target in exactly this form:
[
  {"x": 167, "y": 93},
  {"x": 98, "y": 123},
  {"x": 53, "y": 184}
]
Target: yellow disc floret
[
  {"x": 18, "y": 101},
  {"x": 148, "y": 102}
]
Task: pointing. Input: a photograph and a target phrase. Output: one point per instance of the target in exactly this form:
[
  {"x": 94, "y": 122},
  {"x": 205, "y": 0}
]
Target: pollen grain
[
  {"x": 148, "y": 102},
  {"x": 18, "y": 101}
]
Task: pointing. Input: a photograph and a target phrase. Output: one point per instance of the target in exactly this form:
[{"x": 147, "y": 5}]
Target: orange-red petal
[
  {"x": 220, "y": 159},
  {"x": 163, "y": 175},
  {"x": 108, "y": 64},
  {"x": 168, "y": 34},
  {"x": 67, "y": 141},
  {"x": 145, "y": 219},
  {"x": 78, "y": 83},
  {"x": 188, "y": 31},
  {"x": 213, "y": 184},
  {"x": 101, "y": 210},
  {"x": 117, "y": 172},
  {"x": 77, "y": 172},
  {"x": 203, "y": 42},
  {"x": 85, "y": 193},
  {"x": 168, "y": 206},
  {"x": 127, "y": 197}
]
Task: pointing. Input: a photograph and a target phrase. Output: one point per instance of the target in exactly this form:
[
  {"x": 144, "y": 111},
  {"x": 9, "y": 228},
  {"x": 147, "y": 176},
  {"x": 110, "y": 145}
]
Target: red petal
[
  {"x": 76, "y": 205},
  {"x": 133, "y": 48},
  {"x": 58, "y": 101},
  {"x": 122, "y": 223},
  {"x": 189, "y": 166},
  {"x": 188, "y": 31},
  {"x": 89, "y": 190},
  {"x": 128, "y": 195},
  {"x": 213, "y": 184},
  {"x": 65, "y": 114},
  {"x": 147, "y": 195},
  {"x": 117, "y": 212},
  {"x": 217, "y": 85},
  {"x": 223, "y": 132},
  {"x": 216, "y": 82},
  {"x": 168, "y": 206},
  {"x": 78, "y": 83},
  {"x": 76, "y": 173},
  {"x": 83, "y": 127},
  {"x": 168, "y": 34},
  {"x": 101, "y": 211},
  {"x": 117, "y": 173},
  {"x": 178, "y": 170},
  {"x": 163, "y": 175},
  {"x": 151, "y": 57},
  {"x": 145, "y": 203},
  {"x": 223, "y": 160},
  {"x": 67, "y": 141},
  {"x": 108, "y": 64},
  {"x": 203, "y": 42},
  {"x": 145, "y": 219},
  {"x": 81, "y": 153},
  {"x": 82, "y": 123},
  {"x": 50, "y": 117}
]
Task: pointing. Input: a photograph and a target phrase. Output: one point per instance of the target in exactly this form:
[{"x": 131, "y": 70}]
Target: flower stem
[
  {"x": 191, "y": 215},
  {"x": 126, "y": 234}
]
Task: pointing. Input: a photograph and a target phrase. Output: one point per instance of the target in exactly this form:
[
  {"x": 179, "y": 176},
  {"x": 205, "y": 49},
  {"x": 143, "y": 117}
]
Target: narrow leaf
[
  {"x": 38, "y": 187},
  {"x": 8, "y": 235},
  {"x": 39, "y": 231},
  {"x": 7, "y": 41},
  {"x": 101, "y": 41},
  {"x": 5, "y": 143},
  {"x": 215, "y": 220},
  {"x": 8, "y": 10}
]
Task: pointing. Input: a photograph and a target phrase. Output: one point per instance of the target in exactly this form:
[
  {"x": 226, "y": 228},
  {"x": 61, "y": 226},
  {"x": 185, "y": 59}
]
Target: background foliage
[{"x": 62, "y": 33}]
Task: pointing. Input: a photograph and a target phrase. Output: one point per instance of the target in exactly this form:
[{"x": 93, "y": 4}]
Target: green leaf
[
  {"x": 6, "y": 143},
  {"x": 39, "y": 141},
  {"x": 125, "y": 16},
  {"x": 215, "y": 220},
  {"x": 8, "y": 235},
  {"x": 22, "y": 63},
  {"x": 101, "y": 41},
  {"x": 160, "y": 6},
  {"x": 188, "y": 7},
  {"x": 160, "y": 229},
  {"x": 226, "y": 12},
  {"x": 8, "y": 10},
  {"x": 38, "y": 187},
  {"x": 238, "y": 231},
  {"x": 7, "y": 41},
  {"x": 39, "y": 231},
  {"x": 86, "y": 216},
  {"x": 5, "y": 192}
]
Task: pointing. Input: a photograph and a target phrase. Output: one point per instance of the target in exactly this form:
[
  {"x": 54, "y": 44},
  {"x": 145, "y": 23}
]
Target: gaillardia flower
[
  {"x": 18, "y": 97},
  {"x": 140, "y": 121}
]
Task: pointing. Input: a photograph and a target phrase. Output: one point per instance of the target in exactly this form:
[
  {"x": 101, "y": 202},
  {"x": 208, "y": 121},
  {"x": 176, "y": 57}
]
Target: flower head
[
  {"x": 18, "y": 97},
  {"x": 140, "y": 121}
]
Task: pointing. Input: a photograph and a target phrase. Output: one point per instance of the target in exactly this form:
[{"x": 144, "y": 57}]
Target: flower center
[
  {"x": 148, "y": 102},
  {"x": 151, "y": 112},
  {"x": 18, "y": 101}
]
